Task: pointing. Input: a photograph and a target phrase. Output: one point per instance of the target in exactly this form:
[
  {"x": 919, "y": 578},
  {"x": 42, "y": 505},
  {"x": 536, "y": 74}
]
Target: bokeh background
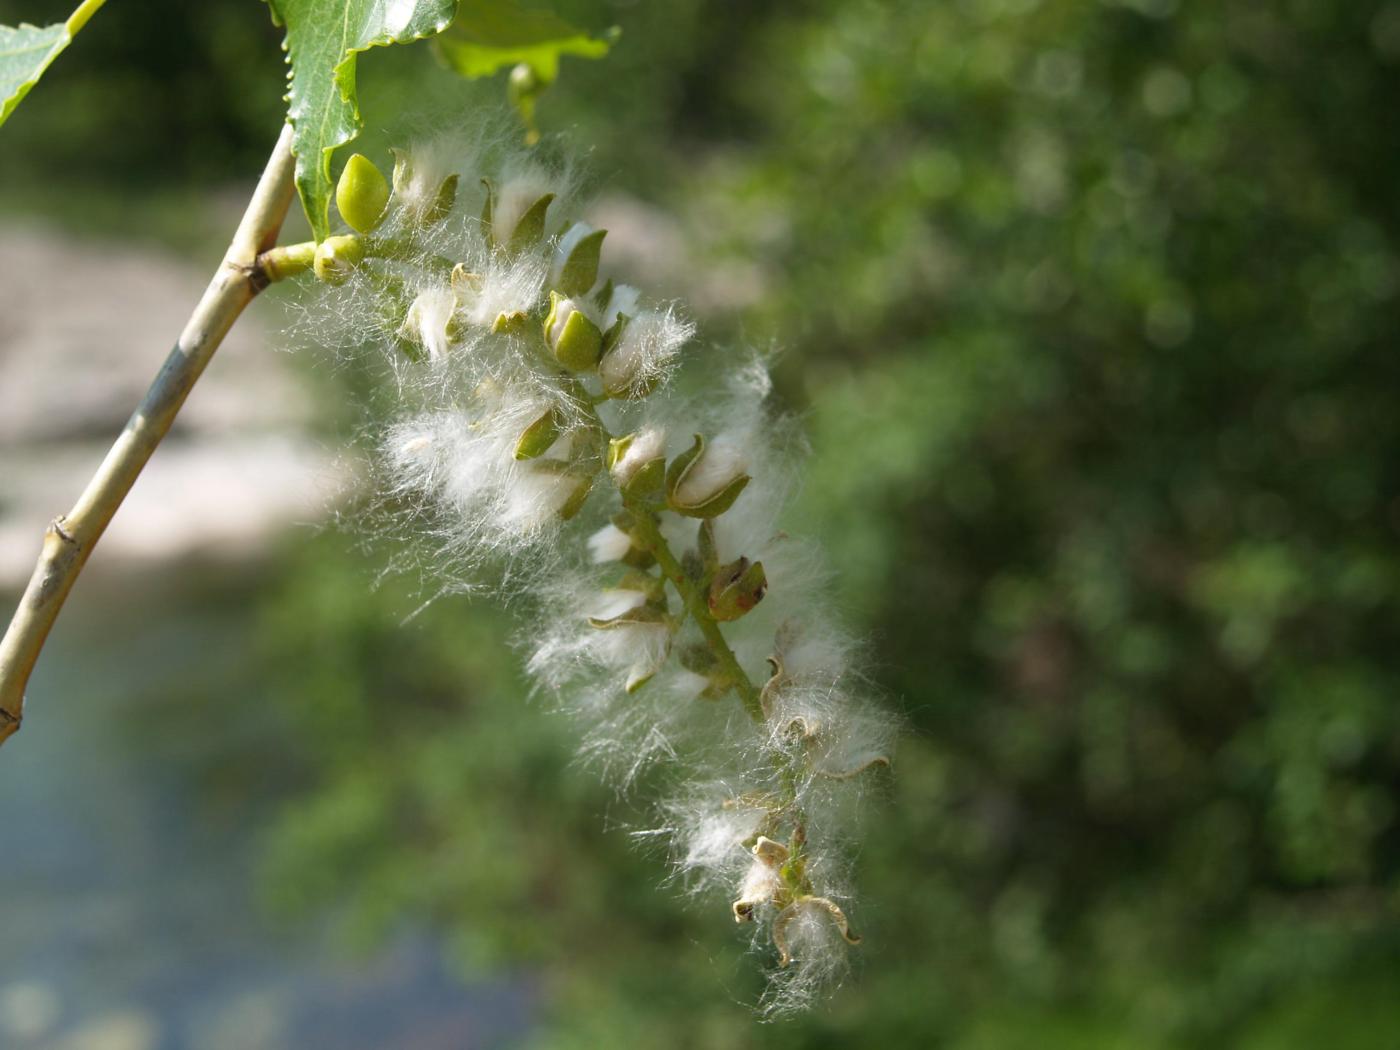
[{"x": 1089, "y": 307}]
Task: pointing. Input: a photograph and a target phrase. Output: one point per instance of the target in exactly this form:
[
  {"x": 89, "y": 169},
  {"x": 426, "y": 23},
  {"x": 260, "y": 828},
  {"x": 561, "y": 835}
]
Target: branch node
[
  {"x": 56, "y": 527},
  {"x": 253, "y": 272}
]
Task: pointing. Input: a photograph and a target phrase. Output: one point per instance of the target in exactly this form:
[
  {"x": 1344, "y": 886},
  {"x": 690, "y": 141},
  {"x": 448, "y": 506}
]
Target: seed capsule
[
  {"x": 737, "y": 588},
  {"x": 704, "y": 483},
  {"x": 540, "y": 436},
  {"x": 637, "y": 462},
  {"x": 572, "y": 335},
  {"x": 362, "y": 194}
]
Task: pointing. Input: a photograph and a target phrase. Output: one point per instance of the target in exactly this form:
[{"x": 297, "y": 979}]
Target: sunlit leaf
[
  {"x": 26, "y": 51},
  {"x": 488, "y": 35},
  {"x": 323, "y": 38}
]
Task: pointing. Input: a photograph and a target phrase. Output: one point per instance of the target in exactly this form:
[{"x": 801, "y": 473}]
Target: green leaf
[
  {"x": 26, "y": 51},
  {"x": 490, "y": 34},
  {"x": 323, "y": 38}
]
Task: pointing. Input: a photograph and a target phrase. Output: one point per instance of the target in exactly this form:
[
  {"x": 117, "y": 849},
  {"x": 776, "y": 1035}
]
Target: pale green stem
[
  {"x": 653, "y": 541},
  {"x": 79, "y": 18},
  {"x": 287, "y": 260}
]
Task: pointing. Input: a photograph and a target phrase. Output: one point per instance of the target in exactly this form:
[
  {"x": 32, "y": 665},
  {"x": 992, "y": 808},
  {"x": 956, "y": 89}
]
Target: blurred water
[{"x": 132, "y": 805}]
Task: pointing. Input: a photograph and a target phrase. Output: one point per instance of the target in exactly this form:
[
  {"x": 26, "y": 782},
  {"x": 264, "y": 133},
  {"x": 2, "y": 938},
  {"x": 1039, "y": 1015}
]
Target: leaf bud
[
  {"x": 704, "y": 482},
  {"x": 361, "y": 194},
  {"x": 736, "y": 589},
  {"x": 287, "y": 260},
  {"x": 573, "y": 336},
  {"x": 337, "y": 257},
  {"x": 523, "y": 81}
]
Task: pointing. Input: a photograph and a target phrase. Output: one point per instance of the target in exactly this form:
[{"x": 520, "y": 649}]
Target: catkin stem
[
  {"x": 70, "y": 538},
  {"x": 696, "y": 605},
  {"x": 652, "y": 539},
  {"x": 690, "y": 594}
]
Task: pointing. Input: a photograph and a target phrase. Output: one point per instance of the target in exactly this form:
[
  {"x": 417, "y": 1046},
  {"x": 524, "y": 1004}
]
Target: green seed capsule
[
  {"x": 718, "y": 497},
  {"x": 362, "y": 194},
  {"x": 579, "y": 271},
  {"x": 574, "y": 338},
  {"x": 540, "y": 436},
  {"x": 737, "y": 588}
]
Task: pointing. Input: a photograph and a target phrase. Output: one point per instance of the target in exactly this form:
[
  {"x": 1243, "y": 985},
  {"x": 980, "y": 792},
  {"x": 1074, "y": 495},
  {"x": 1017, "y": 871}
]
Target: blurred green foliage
[{"x": 1090, "y": 308}]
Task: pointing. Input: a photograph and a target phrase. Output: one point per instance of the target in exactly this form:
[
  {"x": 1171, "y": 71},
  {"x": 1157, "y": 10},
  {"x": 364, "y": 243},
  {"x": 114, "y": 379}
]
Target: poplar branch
[{"x": 70, "y": 538}]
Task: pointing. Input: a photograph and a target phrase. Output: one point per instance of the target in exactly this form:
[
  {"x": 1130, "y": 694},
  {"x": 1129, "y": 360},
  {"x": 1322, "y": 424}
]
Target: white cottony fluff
[
  {"x": 429, "y": 320},
  {"x": 522, "y": 183},
  {"x": 420, "y": 174},
  {"x": 624, "y": 300},
  {"x": 645, "y": 351},
  {"x": 497, "y": 286},
  {"x": 816, "y": 959},
  {"x": 609, "y": 544},
  {"x": 461, "y": 463},
  {"x": 534, "y": 497},
  {"x": 708, "y": 824},
  {"x": 613, "y": 603},
  {"x": 768, "y": 740}
]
